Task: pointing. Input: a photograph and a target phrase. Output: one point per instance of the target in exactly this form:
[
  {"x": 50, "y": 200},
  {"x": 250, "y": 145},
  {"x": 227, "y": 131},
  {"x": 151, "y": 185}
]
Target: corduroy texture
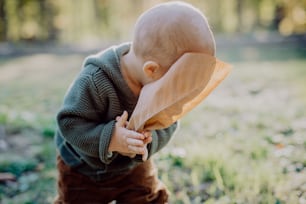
[
  {"x": 139, "y": 185},
  {"x": 187, "y": 83}
]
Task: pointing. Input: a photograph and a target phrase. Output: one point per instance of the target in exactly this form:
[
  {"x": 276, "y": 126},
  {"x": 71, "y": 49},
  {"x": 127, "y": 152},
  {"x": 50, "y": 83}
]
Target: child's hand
[
  {"x": 147, "y": 140},
  {"x": 127, "y": 141}
]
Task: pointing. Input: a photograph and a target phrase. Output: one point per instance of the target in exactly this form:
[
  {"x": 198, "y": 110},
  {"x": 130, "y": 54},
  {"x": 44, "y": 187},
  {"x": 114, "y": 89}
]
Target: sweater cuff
[
  {"x": 152, "y": 147},
  {"x": 105, "y": 139}
]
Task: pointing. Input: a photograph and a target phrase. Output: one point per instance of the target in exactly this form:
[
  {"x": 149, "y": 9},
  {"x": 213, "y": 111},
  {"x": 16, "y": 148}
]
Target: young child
[{"x": 99, "y": 159}]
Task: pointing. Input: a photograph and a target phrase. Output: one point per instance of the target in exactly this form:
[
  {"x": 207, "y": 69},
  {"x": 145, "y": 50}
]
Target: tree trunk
[
  {"x": 3, "y": 22},
  {"x": 239, "y": 15}
]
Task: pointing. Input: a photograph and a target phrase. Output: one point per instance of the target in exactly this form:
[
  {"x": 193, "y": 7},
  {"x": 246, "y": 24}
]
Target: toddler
[{"x": 99, "y": 159}]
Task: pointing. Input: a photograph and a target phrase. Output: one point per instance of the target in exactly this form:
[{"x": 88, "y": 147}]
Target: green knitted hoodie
[{"x": 86, "y": 119}]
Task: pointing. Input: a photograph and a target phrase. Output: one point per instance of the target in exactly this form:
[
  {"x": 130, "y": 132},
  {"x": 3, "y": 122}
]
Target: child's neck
[{"x": 129, "y": 72}]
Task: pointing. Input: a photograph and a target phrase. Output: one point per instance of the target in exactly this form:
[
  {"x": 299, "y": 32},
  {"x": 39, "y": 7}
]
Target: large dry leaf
[{"x": 187, "y": 83}]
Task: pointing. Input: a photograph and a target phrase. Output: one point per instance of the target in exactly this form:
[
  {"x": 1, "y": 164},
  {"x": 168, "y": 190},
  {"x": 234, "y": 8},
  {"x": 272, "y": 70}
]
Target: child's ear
[{"x": 151, "y": 69}]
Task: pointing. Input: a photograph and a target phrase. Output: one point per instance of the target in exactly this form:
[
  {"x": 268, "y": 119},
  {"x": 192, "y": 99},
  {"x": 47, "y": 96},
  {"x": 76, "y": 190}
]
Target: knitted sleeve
[
  {"x": 161, "y": 138},
  {"x": 80, "y": 120}
]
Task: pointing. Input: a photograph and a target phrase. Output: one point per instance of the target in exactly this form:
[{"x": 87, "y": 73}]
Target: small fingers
[
  {"x": 135, "y": 135},
  {"x": 145, "y": 155},
  {"x": 134, "y": 142},
  {"x": 147, "y": 133},
  {"x": 122, "y": 120},
  {"x": 118, "y": 118},
  {"x": 136, "y": 150},
  {"x": 147, "y": 140},
  {"x": 124, "y": 115}
]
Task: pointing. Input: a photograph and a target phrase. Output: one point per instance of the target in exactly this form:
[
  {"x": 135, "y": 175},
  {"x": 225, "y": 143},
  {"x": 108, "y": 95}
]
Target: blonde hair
[{"x": 168, "y": 30}]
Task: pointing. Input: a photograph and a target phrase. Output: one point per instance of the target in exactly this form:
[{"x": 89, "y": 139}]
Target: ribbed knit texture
[{"x": 86, "y": 119}]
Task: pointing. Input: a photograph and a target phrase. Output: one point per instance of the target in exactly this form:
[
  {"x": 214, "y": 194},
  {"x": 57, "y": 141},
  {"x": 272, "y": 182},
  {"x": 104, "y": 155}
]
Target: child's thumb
[{"x": 122, "y": 119}]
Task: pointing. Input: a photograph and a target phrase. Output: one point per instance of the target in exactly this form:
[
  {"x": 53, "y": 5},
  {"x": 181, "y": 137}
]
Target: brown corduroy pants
[{"x": 140, "y": 185}]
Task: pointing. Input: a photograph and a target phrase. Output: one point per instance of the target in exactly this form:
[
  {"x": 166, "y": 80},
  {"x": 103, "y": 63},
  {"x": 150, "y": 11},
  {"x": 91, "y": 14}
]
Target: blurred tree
[
  {"x": 239, "y": 9},
  {"x": 294, "y": 16},
  {"x": 2, "y": 21},
  {"x": 47, "y": 13},
  {"x": 91, "y": 20},
  {"x": 279, "y": 15},
  {"x": 102, "y": 13},
  {"x": 27, "y": 20}
]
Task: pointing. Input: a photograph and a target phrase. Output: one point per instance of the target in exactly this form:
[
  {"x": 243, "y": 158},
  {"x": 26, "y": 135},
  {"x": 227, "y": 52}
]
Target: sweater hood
[
  {"x": 103, "y": 59},
  {"x": 108, "y": 62}
]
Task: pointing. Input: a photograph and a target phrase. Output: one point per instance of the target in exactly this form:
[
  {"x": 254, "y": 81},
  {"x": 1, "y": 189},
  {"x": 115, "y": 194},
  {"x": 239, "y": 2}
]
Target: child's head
[{"x": 167, "y": 31}]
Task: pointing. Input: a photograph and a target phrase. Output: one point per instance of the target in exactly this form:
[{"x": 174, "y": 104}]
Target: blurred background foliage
[
  {"x": 89, "y": 20},
  {"x": 248, "y": 143}
]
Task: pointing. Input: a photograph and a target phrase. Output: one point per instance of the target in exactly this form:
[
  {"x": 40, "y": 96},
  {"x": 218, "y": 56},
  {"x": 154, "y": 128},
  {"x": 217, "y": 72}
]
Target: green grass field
[{"x": 246, "y": 143}]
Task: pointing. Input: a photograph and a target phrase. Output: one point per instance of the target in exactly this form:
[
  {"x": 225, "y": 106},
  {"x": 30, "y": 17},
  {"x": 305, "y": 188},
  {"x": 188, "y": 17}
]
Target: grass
[
  {"x": 244, "y": 144},
  {"x": 250, "y": 138}
]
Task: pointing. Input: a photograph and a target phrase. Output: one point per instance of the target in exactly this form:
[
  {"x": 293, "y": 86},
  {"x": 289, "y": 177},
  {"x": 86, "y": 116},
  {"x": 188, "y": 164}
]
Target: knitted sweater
[{"x": 86, "y": 119}]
